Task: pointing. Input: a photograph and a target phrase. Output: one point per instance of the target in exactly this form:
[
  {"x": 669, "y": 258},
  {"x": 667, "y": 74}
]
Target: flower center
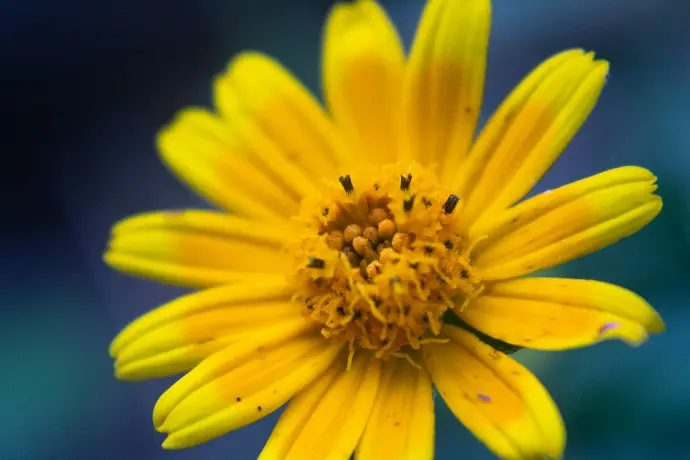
[{"x": 381, "y": 258}]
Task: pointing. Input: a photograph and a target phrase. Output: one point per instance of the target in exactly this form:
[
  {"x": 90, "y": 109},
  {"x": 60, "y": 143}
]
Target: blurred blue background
[{"x": 85, "y": 86}]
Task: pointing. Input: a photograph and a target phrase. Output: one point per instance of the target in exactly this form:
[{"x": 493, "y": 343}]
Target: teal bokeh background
[{"x": 85, "y": 88}]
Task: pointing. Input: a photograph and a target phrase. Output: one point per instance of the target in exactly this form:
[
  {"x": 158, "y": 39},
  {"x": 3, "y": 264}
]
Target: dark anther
[
  {"x": 426, "y": 202},
  {"x": 358, "y": 314},
  {"x": 407, "y": 204},
  {"x": 448, "y": 244},
  {"x": 377, "y": 300},
  {"x": 425, "y": 319},
  {"x": 463, "y": 274},
  {"x": 341, "y": 311},
  {"x": 405, "y": 182},
  {"x": 376, "y": 187},
  {"x": 238, "y": 399},
  {"x": 394, "y": 280},
  {"x": 315, "y": 262},
  {"x": 428, "y": 249},
  {"x": 450, "y": 203},
  {"x": 346, "y": 182},
  {"x": 325, "y": 212},
  {"x": 259, "y": 408},
  {"x": 384, "y": 341},
  {"x": 406, "y": 309}
]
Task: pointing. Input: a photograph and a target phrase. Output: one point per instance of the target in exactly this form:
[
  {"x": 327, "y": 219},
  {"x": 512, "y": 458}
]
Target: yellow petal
[
  {"x": 326, "y": 421},
  {"x": 444, "y": 83},
  {"x": 498, "y": 399},
  {"x": 401, "y": 426},
  {"x": 557, "y": 313},
  {"x": 180, "y": 344},
  {"x": 298, "y": 412},
  {"x": 363, "y": 71},
  {"x": 262, "y": 150},
  {"x": 249, "y": 294},
  {"x": 283, "y": 110},
  {"x": 239, "y": 385},
  {"x": 528, "y": 132},
  {"x": 569, "y": 222},
  {"x": 196, "y": 248},
  {"x": 214, "y": 160}
]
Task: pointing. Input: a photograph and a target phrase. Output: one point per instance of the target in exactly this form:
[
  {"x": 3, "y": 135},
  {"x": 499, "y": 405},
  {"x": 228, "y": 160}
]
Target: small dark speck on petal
[{"x": 483, "y": 397}]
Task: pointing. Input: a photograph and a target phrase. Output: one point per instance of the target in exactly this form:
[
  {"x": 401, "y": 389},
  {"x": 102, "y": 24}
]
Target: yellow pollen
[{"x": 381, "y": 257}]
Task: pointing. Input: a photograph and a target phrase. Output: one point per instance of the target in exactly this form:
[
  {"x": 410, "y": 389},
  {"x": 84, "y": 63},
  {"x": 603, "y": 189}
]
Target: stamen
[
  {"x": 405, "y": 182},
  {"x": 450, "y": 203},
  {"x": 314, "y": 262},
  {"x": 346, "y": 182},
  {"x": 408, "y": 203}
]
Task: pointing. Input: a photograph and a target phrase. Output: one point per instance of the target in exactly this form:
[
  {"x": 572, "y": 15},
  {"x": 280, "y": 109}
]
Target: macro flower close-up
[{"x": 380, "y": 248}]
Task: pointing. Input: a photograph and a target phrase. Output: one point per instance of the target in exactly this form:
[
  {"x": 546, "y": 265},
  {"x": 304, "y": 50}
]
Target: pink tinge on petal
[
  {"x": 483, "y": 397},
  {"x": 607, "y": 327}
]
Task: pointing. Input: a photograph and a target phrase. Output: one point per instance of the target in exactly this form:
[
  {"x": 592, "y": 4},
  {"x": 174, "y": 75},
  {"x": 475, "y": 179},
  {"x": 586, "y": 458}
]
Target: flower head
[{"x": 356, "y": 237}]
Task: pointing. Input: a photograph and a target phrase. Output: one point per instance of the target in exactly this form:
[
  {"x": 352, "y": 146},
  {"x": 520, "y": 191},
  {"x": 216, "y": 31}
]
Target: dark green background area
[{"x": 85, "y": 86}]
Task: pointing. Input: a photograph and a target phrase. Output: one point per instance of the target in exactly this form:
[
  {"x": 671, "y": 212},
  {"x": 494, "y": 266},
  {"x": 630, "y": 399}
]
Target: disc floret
[{"x": 381, "y": 258}]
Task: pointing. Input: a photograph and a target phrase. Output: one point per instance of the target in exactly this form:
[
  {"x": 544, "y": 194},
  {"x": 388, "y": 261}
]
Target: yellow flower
[{"x": 358, "y": 234}]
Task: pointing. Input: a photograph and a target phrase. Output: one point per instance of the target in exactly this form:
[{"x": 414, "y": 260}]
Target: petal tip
[
  {"x": 160, "y": 414},
  {"x": 123, "y": 374},
  {"x": 171, "y": 444},
  {"x": 114, "y": 347},
  {"x": 603, "y": 66},
  {"x": 656, "y": 324},
  {"x": 109, "y": 257}
]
